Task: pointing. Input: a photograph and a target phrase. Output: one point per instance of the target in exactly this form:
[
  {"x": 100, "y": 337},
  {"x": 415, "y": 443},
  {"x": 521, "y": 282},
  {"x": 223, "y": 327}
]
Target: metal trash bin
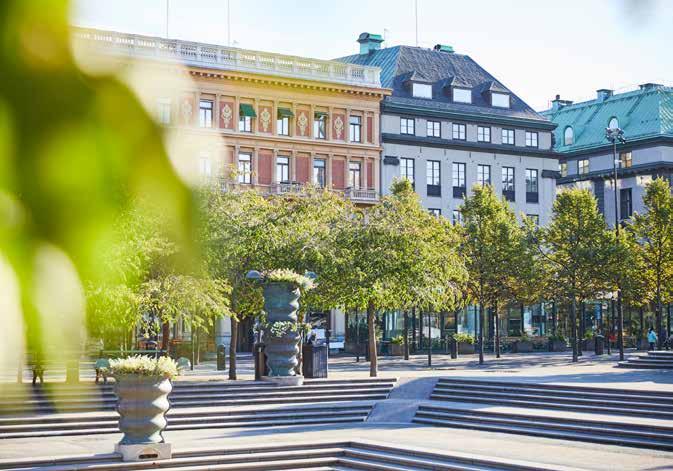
[
  {"x": 314, "y": 361},
  {"x": 221, "y": 358},
  {"x": 599, "y": 344},
  {"x": 261, "y": 369},
  {"x": 453, "y": 348}
]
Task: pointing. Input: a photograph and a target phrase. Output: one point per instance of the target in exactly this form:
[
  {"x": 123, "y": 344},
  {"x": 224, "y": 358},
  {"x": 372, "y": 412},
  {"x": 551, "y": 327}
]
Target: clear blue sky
[{"x": 536, "y": 47}]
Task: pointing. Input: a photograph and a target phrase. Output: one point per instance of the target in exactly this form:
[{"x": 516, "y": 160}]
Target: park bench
[{"x": 39, "y": 364}]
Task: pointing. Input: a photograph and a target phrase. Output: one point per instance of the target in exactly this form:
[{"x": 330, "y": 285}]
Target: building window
[
  {"x": 613, "y": 123},
  {"x": 164, "y": 111},
  {"x": 568, "y": 136},
  {"x": 319, "y": 173},
  {"x": 244, "y": 168},
  {"x": 483, "y": 133},
  {"x": 206, "y": 114},
  {"x": 458, "y": 179},
  {"x": 283, "y": 126},
  {"x": 484, "y": 174},
  {"x": 508, "y": 136},
  {"x": 508, "y": 183},
  {"x": 501, "y": 100},
  {"x": 245, "y": 124},
  {"x": 625, "y": 159},
  {"x": 462, "y": 95},
  {"x": 432, "y": 176},
  {"x": 625, "y": 204},
  {"x": 531, "y": 186},
  {"x": 434, "y": 129},
  {"x": 407, "y": 126},
  {"x": 205, "y": 168},
  {"x": 535, "y": 218},
  {"x": 435, "y": 212},
  {"x": 407, "y": 169},
  {"x": 421, "y": 90},
  {"x": 282, "y": 169},
  {"x": 457, "y": 217},
  {"x": 355, "y": 125},
  {"x": 354, "y": 174},
  {"x": 563, "y": 169},
  {"x": 458, "y": 131},
  {"x": 583, "y": 166},
  {"x": 531, "y": 139},
  {"x": 320, "y": 126}
]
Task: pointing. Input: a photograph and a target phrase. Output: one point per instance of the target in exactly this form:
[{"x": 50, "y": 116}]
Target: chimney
[
  {"x": 650, "y": 86},
  {"x": 557, "y": 103},
  {"x": 444, "y": 48},
  {"x": 369, "y": 42},
  {"x": 603, "y": 94}
]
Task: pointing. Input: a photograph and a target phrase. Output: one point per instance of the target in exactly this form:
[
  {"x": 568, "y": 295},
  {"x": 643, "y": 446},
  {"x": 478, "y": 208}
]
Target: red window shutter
[
  {"x": 370, "y": 175},
  {"x": 370, "y": 129},
  {"x": 302, "y": 169},
  {"x": 265, "y": 170},
  {"x": 338, "y": 177}
]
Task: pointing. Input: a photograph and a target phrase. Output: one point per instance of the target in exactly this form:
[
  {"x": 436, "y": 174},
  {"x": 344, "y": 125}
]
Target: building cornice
[
  {"x": 621, "y": 172},
  {"x": 466, "y": 145},
  {"x": 422, "y": 112},
  {"x": 638, "y": 143}
]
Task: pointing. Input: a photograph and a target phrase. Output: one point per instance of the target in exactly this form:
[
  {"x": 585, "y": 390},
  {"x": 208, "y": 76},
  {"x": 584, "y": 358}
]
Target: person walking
[{"x": 651, "y": 338}]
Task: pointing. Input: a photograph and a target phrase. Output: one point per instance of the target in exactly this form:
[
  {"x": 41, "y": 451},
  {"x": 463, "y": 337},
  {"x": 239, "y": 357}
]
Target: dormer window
[
  {"x": 568, "y": 136},
  {"x": 500, "y": 100},
  {"x": 462, "y": 95},
  {"x": 421, "y": 90}
]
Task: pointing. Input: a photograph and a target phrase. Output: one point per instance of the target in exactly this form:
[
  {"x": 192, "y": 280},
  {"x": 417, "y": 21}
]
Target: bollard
[
  {"x": 261, "y": 368},
  {"x": 453, "y": 346},
  {"x": 221, "y": 358}
]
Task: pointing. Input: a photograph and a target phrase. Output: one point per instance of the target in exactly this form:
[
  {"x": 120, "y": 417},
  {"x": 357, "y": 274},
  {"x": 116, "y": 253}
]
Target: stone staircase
[
  {"x": 657, "y": 404},
  {"x": 598, "y": 415},
  {"x": 60, "y": 397},
  {"x": 660, "y": 359},
  {"x": 339, "y": 456}
]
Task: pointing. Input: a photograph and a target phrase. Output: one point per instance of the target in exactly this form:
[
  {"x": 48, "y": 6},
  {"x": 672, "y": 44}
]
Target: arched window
[
  {"x": 568, "y": 136},
  {"x": 614, "y": 123}
]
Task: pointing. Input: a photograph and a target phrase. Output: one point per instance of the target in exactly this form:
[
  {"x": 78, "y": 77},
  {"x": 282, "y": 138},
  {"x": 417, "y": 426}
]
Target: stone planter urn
[
  {"x": 281, "y": 301},
  {"x": 465, "y": 348},
  {"x": 142, "y": 403}
]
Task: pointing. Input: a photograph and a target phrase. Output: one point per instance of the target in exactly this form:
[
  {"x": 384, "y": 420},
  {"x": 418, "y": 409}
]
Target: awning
[
  {"x": 285, "y": 113},
  {"x": 247, "y": 110},
  {"x": 320, "y": 114}
]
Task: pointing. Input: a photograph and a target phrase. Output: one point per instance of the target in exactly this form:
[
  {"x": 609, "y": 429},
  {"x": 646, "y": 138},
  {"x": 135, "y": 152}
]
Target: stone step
[
  {"x": 646, "y": 365},
  {"x": 355, "y": 455},
  {"x": 606, "y": 409},
  {"x": 605, "y": 394},
  {"x": 555, "y": 387},
  {"x": 661, "y": 353},
  {"x": 649, "y": 436}
]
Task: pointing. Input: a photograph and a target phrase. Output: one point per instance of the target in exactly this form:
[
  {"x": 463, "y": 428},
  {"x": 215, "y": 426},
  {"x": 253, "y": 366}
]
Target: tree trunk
[
  {"x": 496, "y": 327},
  {"x": 232, "y": 348},
  {"x": 481, "y": 333},
  {"x": 641, "y": 314},
  {"x": 620, "y": 327},
  {"x": 573, "y": 328},
  {"x": 659, "y": 315},
  {"x": 406, "y": 335},
  {"x": 165, "y": 336},
  {"x": 429, "y": 340},
  {"x": 371, "y": 327}
]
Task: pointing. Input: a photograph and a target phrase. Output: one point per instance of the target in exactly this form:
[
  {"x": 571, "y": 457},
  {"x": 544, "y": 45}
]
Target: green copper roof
[{"x": 643, "y": 113}]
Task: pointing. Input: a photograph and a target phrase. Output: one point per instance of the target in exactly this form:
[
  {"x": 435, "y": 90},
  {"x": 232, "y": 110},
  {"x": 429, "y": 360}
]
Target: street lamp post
[{"x": 616, "y": 135}]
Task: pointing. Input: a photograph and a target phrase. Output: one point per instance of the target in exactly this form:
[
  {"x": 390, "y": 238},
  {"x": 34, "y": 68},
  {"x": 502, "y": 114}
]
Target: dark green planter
[
  {"x": 142, "y": 403},
  {"x": 465, "y": 348},
  {"x": 281, "y": 301},
  {"x": 522, "y": 346}
]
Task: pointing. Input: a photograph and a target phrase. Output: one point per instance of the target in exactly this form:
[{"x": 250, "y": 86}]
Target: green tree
[
  {"x": 494, "y": 252},
  {"x": 396, "y": 255},
  {"x": 654, "y": 231},
  {"x": 575, "y": 247}
]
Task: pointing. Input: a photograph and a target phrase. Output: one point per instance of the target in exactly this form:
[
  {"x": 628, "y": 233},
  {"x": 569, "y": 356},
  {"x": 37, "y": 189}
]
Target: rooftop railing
[{"x": 225, "y": 58}]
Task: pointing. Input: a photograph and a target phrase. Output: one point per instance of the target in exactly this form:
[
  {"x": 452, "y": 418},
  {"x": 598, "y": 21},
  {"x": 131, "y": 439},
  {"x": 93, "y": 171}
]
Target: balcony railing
[
  {"x": 225, "y": 58},
  {"x": 285, "y": 187},
  {"x": 360, "y": 195}
]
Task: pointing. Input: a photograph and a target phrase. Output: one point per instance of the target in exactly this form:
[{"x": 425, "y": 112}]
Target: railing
[
  {"x": 225, "y": 58},
  {"x": 361, "y": 195},
  {"x": 282, "y": 188}
]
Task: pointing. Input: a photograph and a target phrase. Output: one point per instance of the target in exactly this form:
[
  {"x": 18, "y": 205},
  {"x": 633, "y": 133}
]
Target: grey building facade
[{"x": 450, "y": 125}]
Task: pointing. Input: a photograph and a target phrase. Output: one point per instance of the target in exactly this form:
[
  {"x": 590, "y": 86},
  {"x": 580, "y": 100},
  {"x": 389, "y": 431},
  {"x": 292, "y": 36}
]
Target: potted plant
[
  {"x": 557, "y": 343},
  {"x": 465, "y": 343},
  {"x": 397, "y": 346},
  {"x": 281, "y": 290},
  {"x": 142, "y": 385},
  {"x": 523, "y": 345}
]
